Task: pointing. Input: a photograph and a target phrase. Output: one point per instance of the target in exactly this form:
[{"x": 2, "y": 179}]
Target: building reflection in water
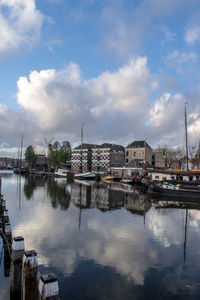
[
  {"x": 113, "y": 242},
  {"x": 107, "y": 197},
  {"x": 88, "y": 194}
]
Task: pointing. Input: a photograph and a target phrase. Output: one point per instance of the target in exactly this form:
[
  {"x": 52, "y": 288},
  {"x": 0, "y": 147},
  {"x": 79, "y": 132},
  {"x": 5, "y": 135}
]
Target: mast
[
  {"x": 79, "y": 220},
  {"x": 185, "y": 236},
  {"x": 18, "y": 159},
  {"x": 21, "y": 151},
  {"x": 81, "y": 165},
  {"x": 186, "y": 137}
]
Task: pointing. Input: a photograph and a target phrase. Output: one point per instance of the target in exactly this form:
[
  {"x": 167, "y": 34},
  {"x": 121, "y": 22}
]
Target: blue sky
[{"x": 124, "y": 68}]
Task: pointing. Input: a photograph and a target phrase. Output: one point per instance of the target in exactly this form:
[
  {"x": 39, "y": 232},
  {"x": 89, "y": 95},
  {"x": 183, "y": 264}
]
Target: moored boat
[
  {"x": 86, "y": 176},
  {"x": 127, "y": 181},
  {"x": 64, "y": 173},
  {"x": 174, "y": 191},
  {"x": 107, "y": 178}
]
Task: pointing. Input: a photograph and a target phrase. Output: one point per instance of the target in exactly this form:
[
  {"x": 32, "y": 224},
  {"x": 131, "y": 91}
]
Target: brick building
[
  {"x": 83, "y": 154},
  {"x": 97, "y": 157},
  {"x": 138, "y": 150},
  {"x": 159, "y": 158},
  {"x": 107, "y": 156}
]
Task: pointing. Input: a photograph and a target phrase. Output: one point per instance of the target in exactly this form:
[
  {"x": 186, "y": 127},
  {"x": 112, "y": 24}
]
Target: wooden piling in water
[
  {"x": 5, "y": 216},
  {"x": 48, "y": 287},
  {"x": 16, "y": 267},
  {"x": 7, "y": 259},
  {"x": 26, "y": 283},
  {"x": 3, "y": 206},
  {"x": 30, "y": 275}
]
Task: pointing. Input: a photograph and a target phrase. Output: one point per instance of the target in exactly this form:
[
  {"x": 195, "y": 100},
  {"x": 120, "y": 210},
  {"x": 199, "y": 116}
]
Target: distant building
[
  {"x": 41, "y": 161},
  {"x": 138, "y": 150},
  {"x": 97, "y": 157},
  {"x": 82, "y": 156},
  {"x": 159, "y": 158},
  {"x": 134, "y": 167},
  {"x": 107, "y": 156},
  {"x": 8, "y": 162}
]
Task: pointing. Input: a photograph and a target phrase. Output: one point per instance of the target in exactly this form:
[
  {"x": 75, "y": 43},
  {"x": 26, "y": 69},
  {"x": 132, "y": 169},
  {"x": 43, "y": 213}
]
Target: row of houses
[{"x": 92, "y": 157}]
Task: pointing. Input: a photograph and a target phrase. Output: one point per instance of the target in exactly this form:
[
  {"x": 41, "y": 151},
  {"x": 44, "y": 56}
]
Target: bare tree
[
  {"x": 176, "y": 158},
  {"x": 194, "y": 156}
]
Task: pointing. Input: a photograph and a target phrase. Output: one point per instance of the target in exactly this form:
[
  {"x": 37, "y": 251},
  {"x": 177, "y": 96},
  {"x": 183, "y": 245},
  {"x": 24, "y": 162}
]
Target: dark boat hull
[{"x": 175, "y": 194}]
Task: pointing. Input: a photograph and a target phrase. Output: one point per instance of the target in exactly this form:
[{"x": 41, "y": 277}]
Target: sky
[{"x": 123, "y": 68}]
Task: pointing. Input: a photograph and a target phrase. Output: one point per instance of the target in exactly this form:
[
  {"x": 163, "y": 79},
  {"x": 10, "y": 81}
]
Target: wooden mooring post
[
  {"x": 5, "y": 232},
  {"x": 16, "y": 267},
  {"x": 26, "y": 283},
  {"x": 48, "y": 287},
  {"x": 30, "y": 275}
]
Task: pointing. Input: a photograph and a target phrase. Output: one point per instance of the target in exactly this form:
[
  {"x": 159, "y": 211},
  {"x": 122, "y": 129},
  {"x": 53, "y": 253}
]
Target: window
[
  {"x": 126, "y": 153},
  {"x": 157, "y": 177},
  {"x": 127, "y": 160},
  {"x": 134, "y": 154}
]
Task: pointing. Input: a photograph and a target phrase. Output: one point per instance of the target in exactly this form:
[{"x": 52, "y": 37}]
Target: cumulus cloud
[
  {"x": 117, "y": 106},
  {"x": 166, "y": 119},
  {"x": 165, "y": 110},
  {"x": 20, "y": 23},
  {"x": 108, "y": 104}
]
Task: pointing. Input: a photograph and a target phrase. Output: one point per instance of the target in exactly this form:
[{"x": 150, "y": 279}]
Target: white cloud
[
  {"x": 178, "y": 58},
  {"x": 192, "y": 35},
  {"x": 128, "y": 30},
  {"x": 116, "y": 106},
  {"x": 20, "y": 23},
  {"x": 166, "y": 119},
  {"x": 62, "y": 100},
  {"x": 165, "y": 110}
]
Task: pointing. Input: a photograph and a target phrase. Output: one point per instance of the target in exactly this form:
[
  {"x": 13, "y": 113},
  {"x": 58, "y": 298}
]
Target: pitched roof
[
  {"x": 86, "y": 146},
  {"x": 137, "y": 163},
  {"x": 113, "y": 147},
  {"x": 138, "y": 144}
]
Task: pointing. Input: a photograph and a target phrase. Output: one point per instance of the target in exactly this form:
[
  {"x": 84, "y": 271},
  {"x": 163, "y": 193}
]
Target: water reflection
[
  {"x": 108, "y": 196},
  {"x": 59, "y": 195},
  {"x": 92, "y": 235}
]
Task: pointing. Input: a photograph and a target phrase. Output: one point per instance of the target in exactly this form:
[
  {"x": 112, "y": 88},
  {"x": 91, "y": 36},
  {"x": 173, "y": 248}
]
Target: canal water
[{"x": 105, "y": 240}]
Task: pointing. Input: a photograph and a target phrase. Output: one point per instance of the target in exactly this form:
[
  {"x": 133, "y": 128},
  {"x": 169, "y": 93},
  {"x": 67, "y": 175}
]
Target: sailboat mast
[
  {"x": 21, "y": 151},
  {"x": 81, "y": 166},
  {"x": 185, "y": 236},
  {"x": 186, "y": 138}
]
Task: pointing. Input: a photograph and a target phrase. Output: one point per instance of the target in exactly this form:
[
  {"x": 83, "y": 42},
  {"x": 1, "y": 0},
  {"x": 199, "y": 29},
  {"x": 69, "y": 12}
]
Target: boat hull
[
  {"x": 85, "y": 176},
  {"x": 174, "y": 193}
]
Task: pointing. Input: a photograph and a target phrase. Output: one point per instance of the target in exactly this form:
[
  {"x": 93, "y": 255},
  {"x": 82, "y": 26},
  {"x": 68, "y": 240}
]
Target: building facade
[
  {"x": 138, "y": 150},
  {"x": 81, "y": 160},
  {"x": 159, "y": 158},
  {"x": 107, "y": 156},
  {"x": 97, "y": 157}
]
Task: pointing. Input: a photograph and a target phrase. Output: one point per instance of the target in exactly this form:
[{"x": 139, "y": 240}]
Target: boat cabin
[{"x": 182, "y": 176}]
